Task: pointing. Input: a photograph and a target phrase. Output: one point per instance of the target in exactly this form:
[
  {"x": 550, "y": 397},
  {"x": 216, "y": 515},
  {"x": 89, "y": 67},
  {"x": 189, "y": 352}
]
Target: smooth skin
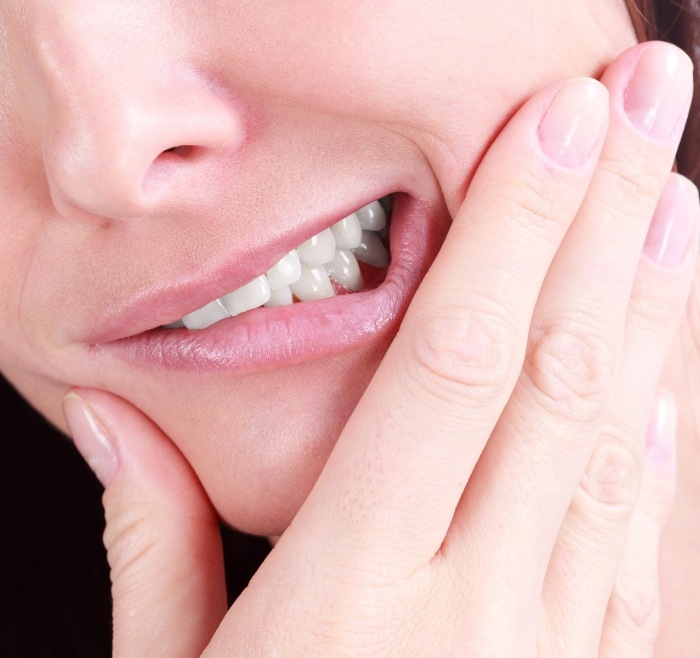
[
  {"x": 484, "y": 497},
  {"x": 402, "y": 94}
]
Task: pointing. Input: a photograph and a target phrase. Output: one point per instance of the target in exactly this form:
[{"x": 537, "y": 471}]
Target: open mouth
[
  {"x": 352, "y": 255},
  {"x": 358, "y": 296}
]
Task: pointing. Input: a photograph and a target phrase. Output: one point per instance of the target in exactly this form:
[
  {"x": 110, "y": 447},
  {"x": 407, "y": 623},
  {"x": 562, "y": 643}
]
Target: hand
[{"x": 483, "y": 498}]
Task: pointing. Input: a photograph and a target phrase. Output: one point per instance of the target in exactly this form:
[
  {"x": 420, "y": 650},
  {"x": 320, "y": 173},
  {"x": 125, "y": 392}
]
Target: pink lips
[{"x": 270, "y": 337}]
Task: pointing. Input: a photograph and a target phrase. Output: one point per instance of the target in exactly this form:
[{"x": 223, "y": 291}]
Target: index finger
[{"x": 404, "y": 458}]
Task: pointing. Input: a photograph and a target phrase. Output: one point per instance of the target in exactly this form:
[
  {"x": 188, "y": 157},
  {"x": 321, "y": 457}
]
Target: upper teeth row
[{"x": 306, "y": 272}]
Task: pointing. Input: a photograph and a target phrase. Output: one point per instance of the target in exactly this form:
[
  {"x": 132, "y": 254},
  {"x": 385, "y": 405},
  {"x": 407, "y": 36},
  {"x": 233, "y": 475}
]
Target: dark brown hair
[{"x": 677, "y": 21}]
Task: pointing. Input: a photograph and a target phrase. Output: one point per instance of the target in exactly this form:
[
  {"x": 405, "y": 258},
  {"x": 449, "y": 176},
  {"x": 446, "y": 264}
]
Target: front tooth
[
  {"x": 372, "y": 217},
  {"x": 317, "y": 250},
  {"x": 344, "y": 269},
  {"x": 372, "y": 251},
  {"x": 313, "y": 284},
  {"x": 347, "y": 232},
  {"x": 280, "y": 297},
  {"x": 206, "y": 316},
  {"x": 285, "y": 272},
  {"x": 248, "y": 297}
]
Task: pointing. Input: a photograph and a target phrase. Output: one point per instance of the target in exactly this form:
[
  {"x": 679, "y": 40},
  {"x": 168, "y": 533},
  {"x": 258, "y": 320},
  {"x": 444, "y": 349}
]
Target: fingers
[
  {"x": 556, "y": 413},
  {"x": 399, "y": 469},
  {"x": 631, "y": 623},
  {"x": 595, "y": 531},
  {"x": 162, "y": 535}
]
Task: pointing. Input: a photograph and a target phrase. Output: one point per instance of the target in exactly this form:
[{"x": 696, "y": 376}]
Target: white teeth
[
  {"x": 344, "y": 269},
  {"x": 286, "y": 271},
  {"x": 371, "y": 250},
  {"x": 347, "y": 232},
  {"x": 313, "y": 284},
  {"x": 280, "y": 297},
  {"x": 247, "y": 297},
  {"x": 372, "y": 217},
  {"x": 206, "y": 316},
  {"x": 305, "y": 273},
  {"x": 317, "y": 250}
]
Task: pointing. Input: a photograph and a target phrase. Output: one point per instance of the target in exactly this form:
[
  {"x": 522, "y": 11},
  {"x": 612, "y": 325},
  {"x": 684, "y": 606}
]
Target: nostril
[
  {"x": 167, "y": 168},
  {"x": 181, "y": 151},
  {"x": 161, "y": 143}
]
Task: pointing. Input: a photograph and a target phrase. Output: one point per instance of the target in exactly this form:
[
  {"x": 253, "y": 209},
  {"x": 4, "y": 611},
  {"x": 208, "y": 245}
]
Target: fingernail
[
  {"x": 672, "y": 226},
  {"x": 90, "y": 438},
  {"x": 660, "y": 445},
  {"x": 573, "y": 124},
  {"x": 658, "y": 95}
]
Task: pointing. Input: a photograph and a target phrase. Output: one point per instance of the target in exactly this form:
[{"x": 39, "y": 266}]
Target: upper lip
[{"x": 158, "y": 305}]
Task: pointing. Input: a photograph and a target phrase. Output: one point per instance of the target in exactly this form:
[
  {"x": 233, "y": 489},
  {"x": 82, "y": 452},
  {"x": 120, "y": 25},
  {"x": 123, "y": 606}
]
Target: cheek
[{"x": 445, "y": 75}]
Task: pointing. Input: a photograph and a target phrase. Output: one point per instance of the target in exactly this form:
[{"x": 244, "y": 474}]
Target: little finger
[
  {"x": 595, "y": 531},
  {"x": 632, "y": 621}
]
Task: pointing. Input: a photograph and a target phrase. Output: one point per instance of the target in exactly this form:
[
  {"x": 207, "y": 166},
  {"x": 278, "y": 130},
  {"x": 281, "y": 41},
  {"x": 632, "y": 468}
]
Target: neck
[{"x": 680, "y": 546}]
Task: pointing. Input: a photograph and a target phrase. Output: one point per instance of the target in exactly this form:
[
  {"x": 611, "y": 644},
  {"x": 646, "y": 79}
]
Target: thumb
[{"x": 162, "y": 535}]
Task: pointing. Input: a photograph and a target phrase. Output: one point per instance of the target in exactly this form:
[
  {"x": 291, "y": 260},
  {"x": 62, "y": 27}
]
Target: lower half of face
[{"x": 262, "y": 154}]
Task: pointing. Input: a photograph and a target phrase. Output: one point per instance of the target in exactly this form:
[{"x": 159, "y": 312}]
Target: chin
[{"x": 258, "y": 443}]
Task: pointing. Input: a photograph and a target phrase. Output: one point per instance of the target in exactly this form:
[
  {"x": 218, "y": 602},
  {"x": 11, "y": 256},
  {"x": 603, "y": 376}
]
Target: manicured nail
[
  {"x": 660, "y": 446},
  {"x": 574, "y": 122},
  {"x": 673, "y": 223},
  {"x": 90, "y": 438},
  {"x": 658, "y": 95}
]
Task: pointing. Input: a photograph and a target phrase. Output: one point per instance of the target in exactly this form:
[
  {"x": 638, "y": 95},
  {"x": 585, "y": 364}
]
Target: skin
[
  {"x": 351, "y": 121},
  {"x": 680, "y": 547},
  {"x": 433, "y": 125},
  {"x": 390, "y": 554}
]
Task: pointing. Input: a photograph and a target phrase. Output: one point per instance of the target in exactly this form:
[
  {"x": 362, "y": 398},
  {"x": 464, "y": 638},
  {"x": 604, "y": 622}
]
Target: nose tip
[{"x": 124, "y": 154}]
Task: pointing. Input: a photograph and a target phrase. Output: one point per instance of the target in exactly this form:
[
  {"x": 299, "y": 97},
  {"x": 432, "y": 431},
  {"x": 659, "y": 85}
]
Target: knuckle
[
  {"x": 570, "y": 367},
  {"x": 128, "y": 538},
  {"x": 635, "y": 606},
  {"x": 527, "y": 202},
  {"x": 654, "y": 315},
  {"x": 658, "y": 493},
  {"x": 355, "y": 625},
  {"x": 631, "y": 180},
  {"x": 610, "y": 484},
  {"x": 458, "y": 354}
]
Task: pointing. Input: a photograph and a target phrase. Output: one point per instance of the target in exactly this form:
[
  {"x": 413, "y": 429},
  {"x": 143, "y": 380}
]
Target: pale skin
[{"x": 389, "y": 525}]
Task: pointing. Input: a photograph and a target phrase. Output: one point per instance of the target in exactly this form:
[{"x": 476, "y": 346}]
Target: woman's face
[{"x": 157, "y": 155}]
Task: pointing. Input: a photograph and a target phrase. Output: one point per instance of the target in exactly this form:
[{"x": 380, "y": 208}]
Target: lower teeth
[{"x": 309, "y": 272}]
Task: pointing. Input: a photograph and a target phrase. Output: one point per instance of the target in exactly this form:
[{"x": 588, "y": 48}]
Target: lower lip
[{"x": 289, "y": 335}]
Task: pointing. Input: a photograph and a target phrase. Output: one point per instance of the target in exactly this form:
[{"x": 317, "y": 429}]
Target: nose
[{"x": 122, "y": 146}]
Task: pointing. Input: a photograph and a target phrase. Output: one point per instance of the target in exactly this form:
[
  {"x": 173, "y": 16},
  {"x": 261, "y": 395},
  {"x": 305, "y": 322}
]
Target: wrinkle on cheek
[
  {"x": 28, "y": 337},
  {"x": 452, "y": 162},
  {"x": 20, "y": 317},
  {"x": 454, "y": 152},
  {"x": 17, "y": 250},
  {"x": 23, "y": 221}
]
